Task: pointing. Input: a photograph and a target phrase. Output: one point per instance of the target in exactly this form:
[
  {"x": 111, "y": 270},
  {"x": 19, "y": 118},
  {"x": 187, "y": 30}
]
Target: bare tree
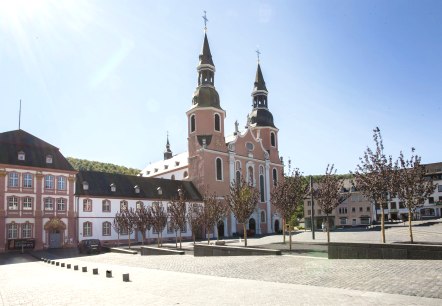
[
  {"x": 329, "y": 194},
  {"x": 143, "y": 221},
  {"x": 214, "y": 210},
  {"x": 195, "y": 218},
  {"x": 117, "y": 225},
  {"x": 287, "y": 195},
  {"x": 242, "y": 200},
  {"x": 159, "y": 218},
  {"x": 374, "y": 176},
  {"x": 411, "y": 185},
  {"x": 177, "y": 212}
]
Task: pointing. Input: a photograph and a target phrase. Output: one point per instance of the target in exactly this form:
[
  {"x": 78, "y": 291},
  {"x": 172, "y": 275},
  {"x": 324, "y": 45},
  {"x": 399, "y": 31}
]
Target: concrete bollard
[
  {"x": 62, "y": 264},
  {"x": 57, "y": 263},
  {"x": 95, "y": 271},
  {"x": 126, "y": 277},
  {"x": 84, "y": 269},
  {"x": 108, "y": 273},
  {"x": 75, "y": 267},
  {"x": 68, "y": 266}
]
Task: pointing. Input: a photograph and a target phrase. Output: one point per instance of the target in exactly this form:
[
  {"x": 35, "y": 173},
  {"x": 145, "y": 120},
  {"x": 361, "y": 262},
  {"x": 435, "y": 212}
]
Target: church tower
[
  {"x": 206, "y": 142},
  {"x": 261, "y": 119},
  {"x": 168, "y": 151}
]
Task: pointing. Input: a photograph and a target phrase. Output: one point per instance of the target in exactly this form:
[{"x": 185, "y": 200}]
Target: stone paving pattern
[{"x": 257, "y": 280}]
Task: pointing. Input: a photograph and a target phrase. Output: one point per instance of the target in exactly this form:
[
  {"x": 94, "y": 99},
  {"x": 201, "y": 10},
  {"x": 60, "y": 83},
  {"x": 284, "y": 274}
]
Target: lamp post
[{"x": 313, "y": 208}]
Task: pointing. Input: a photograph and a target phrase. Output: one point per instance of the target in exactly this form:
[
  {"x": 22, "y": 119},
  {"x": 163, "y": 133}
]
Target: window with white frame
[
  {"x": 49, "y": 159},
  {"x": 107, "y": 228},
  {"x": 49, "y": 203},
  {"x": 21, "y": 155},
  {"x": 27, "y": 180},
  {"x": 12, "y": 230},
  {"x": 439, "y": 188},
  {"x": 26, "y": 230},
  {"x": 87, "y": 205},
  {"x": 61, "y": 183},
  {"x": 138, "y": 205},
  {"x": 61, "y": 204},
  {"x": 27, "y": 203},
  {"x": 13, "y": 203},
  {"x": 49, "y": 182},
  {"x": 123, "y": 205},
  {"x": 170, "y": 228},
  {"x": 87, "y": 229},
  {"x": 106, "y": 206},
  {"x": 13, "y": 179}
]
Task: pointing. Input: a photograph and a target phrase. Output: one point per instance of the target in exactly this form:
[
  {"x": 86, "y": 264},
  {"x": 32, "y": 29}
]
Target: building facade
[
  {"x": 215, "y": 161},
  {"x": 36, "y": 194}
]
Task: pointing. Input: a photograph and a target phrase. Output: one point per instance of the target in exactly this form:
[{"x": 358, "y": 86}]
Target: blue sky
[{"x": 105, "y": 80}]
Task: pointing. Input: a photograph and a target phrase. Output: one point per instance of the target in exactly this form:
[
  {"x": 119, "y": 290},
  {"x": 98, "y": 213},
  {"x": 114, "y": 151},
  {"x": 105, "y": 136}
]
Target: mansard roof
[
  {"x": 99, "y": 185},
  {"x": 35, "y": 151}
]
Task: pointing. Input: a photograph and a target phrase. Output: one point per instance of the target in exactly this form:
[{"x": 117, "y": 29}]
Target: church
[{"x": 214, "y": 160}]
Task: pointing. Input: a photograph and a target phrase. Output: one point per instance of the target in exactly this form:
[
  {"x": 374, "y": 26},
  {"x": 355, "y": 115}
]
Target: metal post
[{"x": 313, "y": 208}]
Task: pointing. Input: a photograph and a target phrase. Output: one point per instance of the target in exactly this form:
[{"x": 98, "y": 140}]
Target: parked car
[{"x": 89, "y": 246}]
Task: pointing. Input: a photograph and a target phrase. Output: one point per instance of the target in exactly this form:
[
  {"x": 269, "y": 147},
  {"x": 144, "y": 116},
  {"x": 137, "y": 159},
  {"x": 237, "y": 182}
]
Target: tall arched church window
[
  {"x": 261, "y": 187},
  {"x": 272, "y": 139},
  {"x": 192, "y": 123},
  {"x": 250, "y": 176},
  {"x": 275, "y": 177},
  {"x": 219, "y": 169},
  {"x": 217, "y": 123}
]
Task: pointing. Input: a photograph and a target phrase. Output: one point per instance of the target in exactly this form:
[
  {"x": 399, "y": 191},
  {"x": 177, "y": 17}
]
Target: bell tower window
[
  {"x": 192, "y": 123},
  {"x": 219, "y": 169},
  {"x": 217, "y": 123},
  {"x": 272, "y": 139}
]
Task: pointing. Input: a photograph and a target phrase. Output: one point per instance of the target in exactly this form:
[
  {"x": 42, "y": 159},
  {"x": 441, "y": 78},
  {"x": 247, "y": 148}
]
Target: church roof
[
  {"x": 34, "y": 149},
  {"x": 99, "y": 184},
  {"x": 259, "y": 84},
  {"x": 206, "y": 56},
  {"x": 163, "y": 166}
]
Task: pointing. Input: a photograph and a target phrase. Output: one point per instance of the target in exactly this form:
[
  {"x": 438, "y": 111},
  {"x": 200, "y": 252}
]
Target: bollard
[
  {"x": 95, "y": 271},
  {"x": 108, "y": 273},
  {"x": 68, "y": 266},
  {"x": 57, "y": 263},
  {"x": 126, "y": 277},
  {"x": 62, "y": 264},
  {"x": 84, "y": 269},
  {"x": 75, "y": 267}
]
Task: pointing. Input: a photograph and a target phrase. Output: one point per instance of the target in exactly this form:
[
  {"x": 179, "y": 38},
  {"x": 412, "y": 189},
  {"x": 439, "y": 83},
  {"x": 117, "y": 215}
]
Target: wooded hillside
[{"x": 83, "y": 164}]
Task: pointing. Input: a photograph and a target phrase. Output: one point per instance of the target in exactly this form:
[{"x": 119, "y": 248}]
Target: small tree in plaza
[
  {"x": 117, "y": 225},
  {"x": 374, "y": 176},
  {"x": 195, "y": 218},
  {"x": 287, "y": 195},
  {"x": 177, "y": 213},
  {"x": 411, "y": 185},
  {"x": 159, "y": 218},
  {"x": 242, "y": 200},
  {"x": 214, "y": 209},
  {"x": 329, "y": 194},
  {"x": 143, "y": 221}
]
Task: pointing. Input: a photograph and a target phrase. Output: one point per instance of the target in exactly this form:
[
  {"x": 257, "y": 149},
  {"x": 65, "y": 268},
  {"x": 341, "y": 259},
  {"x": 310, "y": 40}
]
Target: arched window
[
  {"x": 172, "y": 177},
  {"x": 263, "y": 216},
  {"x": 87, "y": 205},
  {"x": 261, "y": 187},
  {"x": 219, "y": 169},
  {"x": 238, "y": 178},
  {"x": 217, "y": 123},
  {"x": 272, "y": 139},
  {"x": 250, "y": 176},
  {"x": 275, "y": 177},
  {"x": 186, "y": 174},
  {"x": 107, "y": 228},
  {"x": 87, "y": 229},
  {"x": 192, "y": 123}
]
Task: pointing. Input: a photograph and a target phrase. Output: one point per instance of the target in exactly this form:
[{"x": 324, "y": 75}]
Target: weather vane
[
  {"x": 205, "y": 21},
  {"x": 258, "y": 53}
]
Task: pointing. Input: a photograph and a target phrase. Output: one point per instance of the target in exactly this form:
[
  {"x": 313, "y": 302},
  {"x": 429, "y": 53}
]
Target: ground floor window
[
  {"x": 87, "y": 229},
  {"x": 365, "y": 221},
  {"x": 12, "y": 230},
  {"x": 26, "y": 230},
  {"x": 106, "y": 228},
  {"x": 343, "y": 221}
]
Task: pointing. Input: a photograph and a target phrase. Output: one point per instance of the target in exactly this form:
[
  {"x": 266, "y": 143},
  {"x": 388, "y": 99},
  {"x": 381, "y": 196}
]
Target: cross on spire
[
  {"x": 258, "y": 53},
  {"x": 205, "y": 21}
]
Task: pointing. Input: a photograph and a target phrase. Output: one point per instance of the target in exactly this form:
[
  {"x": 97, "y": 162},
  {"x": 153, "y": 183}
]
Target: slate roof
[
  {"x": 35, "y": 149},
  {"x": 179, "y": 161},
  {"x": 99, "y": 185}
]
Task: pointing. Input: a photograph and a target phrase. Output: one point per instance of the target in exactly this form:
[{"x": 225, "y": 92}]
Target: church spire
[{"x": 167, "y": 152}]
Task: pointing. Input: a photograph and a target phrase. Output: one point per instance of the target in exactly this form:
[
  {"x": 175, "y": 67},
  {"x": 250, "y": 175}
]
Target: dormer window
[
  {"x": 21, "y": 155},
  {"x": 49, "y": 159},
  {"x": 177, "y": 163},
  {"x": 166, "y": 166},
  {"x": 137, "y": 189},
  {"x": 148, "y": 172},
  {"x": 155, "y": 170},
  {"x": 85, "y": 185},
  {"x": 113, "y": 187}
]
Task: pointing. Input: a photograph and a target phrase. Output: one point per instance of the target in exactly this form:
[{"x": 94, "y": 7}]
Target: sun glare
[{"x": 21, "y": 9}]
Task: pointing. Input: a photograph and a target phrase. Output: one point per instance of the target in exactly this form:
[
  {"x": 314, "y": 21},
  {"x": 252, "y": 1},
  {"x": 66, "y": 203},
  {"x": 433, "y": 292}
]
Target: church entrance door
[
  {"x": 55, "y": 239},
  {"x": 252, "y": 227},
  {"x": 276, "y": 226},
  {"x": 221, "y": 229}
]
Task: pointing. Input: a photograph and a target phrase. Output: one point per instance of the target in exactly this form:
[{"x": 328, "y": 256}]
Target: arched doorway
[
  {"x": 252, "y": 227},
  {"x": 221, "y": 229},
  {"x": 276, "y": 226},
  {"x": 55, "y": 233}
]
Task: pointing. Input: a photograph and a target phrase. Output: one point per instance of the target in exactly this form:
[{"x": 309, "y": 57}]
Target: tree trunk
[
  {"x": 328, "y": 228},
  {"x": 176, "y": 239},
  {"x": 180, "y": 240},
  {"x": 290, "y": 238},
  {"x": 283, "y": 230},
  {"x": 208, "y": 235},
  {"x": 158, "y": 240},
  {"x": 245, "y": 234},
  {"x": 128, "y": 240},
  {"x": 409, "y": 226},
  {"x": 382, "y": 223}
]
